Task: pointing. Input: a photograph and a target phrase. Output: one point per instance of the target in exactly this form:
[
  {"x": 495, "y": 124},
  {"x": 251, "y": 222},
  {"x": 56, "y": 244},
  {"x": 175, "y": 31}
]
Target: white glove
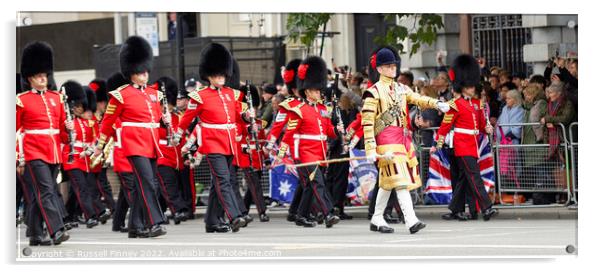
[
  {"x": 442, "y": 106},
  {"x": 371, "y": 158},
  {"x": 388, "y": 155},
  {"x": 166, "y": 118}
]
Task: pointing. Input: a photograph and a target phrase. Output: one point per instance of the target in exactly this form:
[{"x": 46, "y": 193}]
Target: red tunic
[
  {"x": 172, "y": 155},
  {"x": 468, "y": 120},
  {"x": 244, "y": 161},
  {"x": 282, "y": 119},
  {"x": 83, "y": 137},
  {"x": 218, "y": 111},
  {"x": 308, "y": 128},
  {"x": 42, "y": 118},
  {"x": 140, "y": 113},
  {"x": 120, "y": 162},
  {"x": 95, "y": 132}
]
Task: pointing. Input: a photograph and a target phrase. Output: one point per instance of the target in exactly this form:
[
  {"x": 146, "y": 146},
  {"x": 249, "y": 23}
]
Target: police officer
[
  {"x": 468, "y": 120},
  {"x": 41, "y": 116},
  {"x": 139, "y": 109},
  {"x": 218, "y": 112},
  {"x": 308, "y": 129}
]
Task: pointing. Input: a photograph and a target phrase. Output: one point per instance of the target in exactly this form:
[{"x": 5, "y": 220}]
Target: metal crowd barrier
[
  {"x": 573, "y": 148},
  {"x": 529, "y": 168}
]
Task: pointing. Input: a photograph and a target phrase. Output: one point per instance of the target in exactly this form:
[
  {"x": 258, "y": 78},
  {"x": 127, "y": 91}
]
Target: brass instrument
[{"x": 106, "y": 152}]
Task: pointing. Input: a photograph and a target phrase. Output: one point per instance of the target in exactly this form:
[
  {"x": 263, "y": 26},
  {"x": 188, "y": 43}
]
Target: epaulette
[
  {"x": 286, "y": 103},
  {"x": 244, "y": 106},
  {"x": 237, "y": 94},
  {"x": 117, "y": 93},
  {"x": 160, "y": 95},
  {"x": 19, "y": 102},
  {"x": 452, "y": 104},
  {"x": 297, "y": 109},
  {"x": 482, "y": 105},
  {"x": 264, "y": 124},
  {"x": 91, "y": 123},
  {"x": 195, "y": 96},
  {"x": 372, "y": 90}
]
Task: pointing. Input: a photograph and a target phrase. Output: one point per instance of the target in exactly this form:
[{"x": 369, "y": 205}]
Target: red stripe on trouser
[
  {"x": 101, "y": 189},
  {"x": 218, "y": 192},
  {"x": 474, "y": 185},
  {"x": 165, "y": 195},
  {"x": 124, "y": 187},
  {"x": 77, "y": 189},
  {"x": 313, "y": 188},
  {"x": 24, "y": 187},
  {"x": 192, "y": 188},
  {"x": 150, "y": 216},
  {"x": 255, "y": 199},
  {"x": 33, "y": 178}
]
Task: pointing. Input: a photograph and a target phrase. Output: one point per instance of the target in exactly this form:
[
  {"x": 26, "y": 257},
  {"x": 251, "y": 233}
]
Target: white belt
[
  {"x": 466, "y": 131},
  {"x": 309, "y": 137},
  {"x": 42, "y": 132},
  {"x": 79, "y": 144},
  {"x": 224, "y": 126},
  {"x": 150, "y": 125},
  {"x": 163, "y": 142}
]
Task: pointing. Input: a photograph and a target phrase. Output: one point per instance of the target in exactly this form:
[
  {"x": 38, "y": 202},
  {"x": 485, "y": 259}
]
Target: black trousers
[
  {"x": 169, "y": 182},
  {"x": 470, "y": 183},
  {"x": 221, "y": 197},
  {"x": 336, "y": 183},
  {"x": 146, "y": 202},
  {"x": 313, "y": 188},
  {"x": 106, "y": 192},
  {"x": 24, "y": 195},
  {"x": 294, "y": 207},
  {"x": 254, "y": 193},
  {"x": 240, "y": 203},
  {"x": 40, "y": 179},
  {"x": 82, "y": 190},
  {"x": 125, "y": 200},
  {"x": 455, "y": 178},
  {"x": 188, "y": 189}
]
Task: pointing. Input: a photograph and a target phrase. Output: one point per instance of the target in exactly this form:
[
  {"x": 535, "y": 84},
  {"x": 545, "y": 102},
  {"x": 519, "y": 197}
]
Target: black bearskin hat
[
  {"x": 171, "y": 89},
  {"x": 289, "y": 76},
  {"x": 254, "y": 94},
  {"x": 234, "y": 80},
  {"x": 115, "y": 81},
  {"x": 312, "y": 73},
  {"x": 99, "y": 86},
  {"x": 215, "y": 60},
  {"x": 75, "y": 94},
  {"x": 464, "y": 72},
  {"x": 382, "y": 55},
  {"x": 91, "y": 98},
  {"x": 36, "y": 58},
  {"x": 135, "y": 56},
  {"x": 19, "y": 90}
]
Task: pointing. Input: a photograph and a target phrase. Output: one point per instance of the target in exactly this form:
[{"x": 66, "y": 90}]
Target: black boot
[
  {"x": 264, "y": 218},
  {"x": 331, "y": 220},
  {"x": 179, "y": 217},
  {"x": 157, "y": 230},
  {"x": 104, "y": 216},
  {"x": 91, "y": 223},
  {"x": 304, "y": 222},
  {"x": 138, "y": 233},
  {"x": 237, "y": 224},
  {"x": 291, "y": 217},
  {"x": 488, "y": 213},
  {"x": 39, "y": 241},
  {"x": 417, "y": 227},
  {"x": 381, "y": 229},
  {"x": 248, "y": 219},
  {"x": 219, "y": 228},
  {"x": 59, "y": 237},
  {"x": 460, "y": 216}
]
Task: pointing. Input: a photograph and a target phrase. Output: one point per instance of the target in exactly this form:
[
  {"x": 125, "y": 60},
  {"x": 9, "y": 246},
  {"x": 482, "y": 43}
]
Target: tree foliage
[{"x": 306, "y": 26}]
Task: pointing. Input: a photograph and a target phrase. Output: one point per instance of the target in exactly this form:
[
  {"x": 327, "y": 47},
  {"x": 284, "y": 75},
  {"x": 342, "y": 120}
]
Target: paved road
[{"x": 281, "y": 239}]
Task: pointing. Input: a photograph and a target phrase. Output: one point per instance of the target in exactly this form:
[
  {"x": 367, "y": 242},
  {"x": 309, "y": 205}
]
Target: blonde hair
[
  {"x": 533, "y": 90},
  {"x": 429, "y": 91}
]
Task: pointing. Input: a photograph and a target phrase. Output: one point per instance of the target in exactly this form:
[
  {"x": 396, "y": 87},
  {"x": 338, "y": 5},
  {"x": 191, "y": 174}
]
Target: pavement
[{"x": 531, "y": 232}]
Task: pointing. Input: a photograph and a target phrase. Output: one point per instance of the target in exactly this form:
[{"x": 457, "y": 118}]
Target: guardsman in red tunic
[
  {"x": 251, "y": 161},
  {"x": 138, "y": 107},
  {"x": 218, "y": 112},
  {"x": 171, "y": 163},
  {"x": 468, "y": 121},
  {"x": 41, "y": 118},
  {"x": 120, "y": 164},
  {"x": 308, "y": 129},
  {"x": 289, "y": 75},
  {"x": 78, "y": 171}
]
